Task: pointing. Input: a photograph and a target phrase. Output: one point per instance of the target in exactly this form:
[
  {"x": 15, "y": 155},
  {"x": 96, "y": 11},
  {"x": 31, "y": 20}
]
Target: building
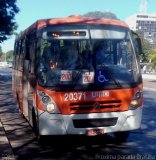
[{"x": 144, "y": 24}]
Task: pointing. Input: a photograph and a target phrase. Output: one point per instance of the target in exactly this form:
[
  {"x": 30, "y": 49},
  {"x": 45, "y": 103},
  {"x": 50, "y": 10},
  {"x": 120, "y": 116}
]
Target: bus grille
[
  {"x": 101, "y": 105},
  {"x": 100, "y": 122}
]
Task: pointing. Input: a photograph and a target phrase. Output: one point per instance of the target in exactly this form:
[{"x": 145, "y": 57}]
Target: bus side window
[
  {"x": 27, "y": 54},
  {"x": 17, "y": 54},
  {"x": 26, "y": 58},
  {"x": 21, "y": 55},
  {"x": 32, "y": 52}
]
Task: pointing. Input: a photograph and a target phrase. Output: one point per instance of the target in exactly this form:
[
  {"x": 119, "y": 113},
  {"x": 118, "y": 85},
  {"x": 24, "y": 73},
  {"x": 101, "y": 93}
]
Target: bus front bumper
[{"x": 57, "y": 124}]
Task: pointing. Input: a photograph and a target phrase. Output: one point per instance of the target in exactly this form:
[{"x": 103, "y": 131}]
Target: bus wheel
[{"x": 121, "y": 136}]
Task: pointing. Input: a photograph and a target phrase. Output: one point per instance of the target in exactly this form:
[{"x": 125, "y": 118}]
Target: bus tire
[
  {"x": 121, "y": 136},
  {"x": 34, "y": 123}
]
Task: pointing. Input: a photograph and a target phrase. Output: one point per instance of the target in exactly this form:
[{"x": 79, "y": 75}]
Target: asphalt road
[
  {"x": 23, "y": 144},
  {"x": 149, "y": 83}
]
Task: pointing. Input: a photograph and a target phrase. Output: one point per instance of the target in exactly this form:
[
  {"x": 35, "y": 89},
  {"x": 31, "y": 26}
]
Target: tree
[
  {"x": 98, "y": 14},
  {"x": 9, "y": 55},
  {"x": 153, "y": 58},
  {"x": 1, "y": 53},
  {"x": 147, "y": 48},
  {"x": 8, "y": 9}
]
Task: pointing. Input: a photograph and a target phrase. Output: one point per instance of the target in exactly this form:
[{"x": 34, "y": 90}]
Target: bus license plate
[{"x": 94, "y": 132}]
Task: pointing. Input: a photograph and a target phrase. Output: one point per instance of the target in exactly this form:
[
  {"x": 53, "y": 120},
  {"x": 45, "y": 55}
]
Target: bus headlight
[
  {"x": 136, "y": 100},
  {"x": 134, "y": 103},
  {"x": 47, "y": 102},
  {"x": 51, "y": 107}
]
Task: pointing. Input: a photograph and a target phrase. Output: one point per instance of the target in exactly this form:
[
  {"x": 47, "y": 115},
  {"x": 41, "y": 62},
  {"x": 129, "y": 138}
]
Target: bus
[{"x": 78, "y": 76}]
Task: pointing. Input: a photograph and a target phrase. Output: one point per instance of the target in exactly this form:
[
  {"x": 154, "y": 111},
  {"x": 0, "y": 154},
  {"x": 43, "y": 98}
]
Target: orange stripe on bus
[{"x": 118, "y": 100}]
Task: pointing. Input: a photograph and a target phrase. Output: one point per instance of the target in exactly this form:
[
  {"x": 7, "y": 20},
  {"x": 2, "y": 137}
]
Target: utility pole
[{"x": 143, "y": 6}]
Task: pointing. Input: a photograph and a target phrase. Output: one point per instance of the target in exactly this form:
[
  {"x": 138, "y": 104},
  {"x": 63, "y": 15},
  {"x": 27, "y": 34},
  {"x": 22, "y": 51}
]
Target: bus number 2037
[{"x": 75, "y": 96}]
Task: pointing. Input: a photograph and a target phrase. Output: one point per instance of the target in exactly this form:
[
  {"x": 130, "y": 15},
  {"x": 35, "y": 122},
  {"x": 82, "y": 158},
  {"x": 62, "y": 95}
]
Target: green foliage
[
  {"x": 146, "y": 50},
  {"x": 1, "y": 52},
  {"x": 6, "y": 56},
  {"x": 152, "y": 57},
  {"x": 8, "y": 9},
  {"x": 98, "y": 14},
  {"x": 9, "y": 55},
  {"x": 148, "y": 53}
]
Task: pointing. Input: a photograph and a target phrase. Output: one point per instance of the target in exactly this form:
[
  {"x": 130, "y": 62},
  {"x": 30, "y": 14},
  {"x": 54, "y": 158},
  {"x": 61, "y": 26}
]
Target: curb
[{"x": 6, "y": 151}]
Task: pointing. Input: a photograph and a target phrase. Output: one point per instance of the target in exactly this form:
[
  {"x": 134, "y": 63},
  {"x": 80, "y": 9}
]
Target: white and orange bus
[{"x": 77, "y": 75}]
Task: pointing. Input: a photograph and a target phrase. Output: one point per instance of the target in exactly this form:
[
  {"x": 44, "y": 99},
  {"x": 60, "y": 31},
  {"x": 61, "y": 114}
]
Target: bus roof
[{"x": 74, "y": 19}]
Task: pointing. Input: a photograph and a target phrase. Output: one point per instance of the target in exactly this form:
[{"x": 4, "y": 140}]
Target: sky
[{"x": 32, "y": 10}]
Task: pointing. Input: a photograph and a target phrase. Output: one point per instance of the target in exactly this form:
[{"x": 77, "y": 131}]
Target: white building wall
[
  {"x": 131, "y": 21},
  {"x": 146, "y": 25}
]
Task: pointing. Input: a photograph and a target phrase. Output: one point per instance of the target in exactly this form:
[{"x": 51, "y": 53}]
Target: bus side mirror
[{"x": 137, "y": 44}]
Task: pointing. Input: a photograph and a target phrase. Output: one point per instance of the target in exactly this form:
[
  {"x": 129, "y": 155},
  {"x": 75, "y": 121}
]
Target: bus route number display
[
  {"x": 66, "y": 76},
  {"x": 88, "y": 77}
]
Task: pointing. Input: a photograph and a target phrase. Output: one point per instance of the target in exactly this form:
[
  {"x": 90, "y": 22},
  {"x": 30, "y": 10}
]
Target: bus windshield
[{"x": 85, "y": 57}]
